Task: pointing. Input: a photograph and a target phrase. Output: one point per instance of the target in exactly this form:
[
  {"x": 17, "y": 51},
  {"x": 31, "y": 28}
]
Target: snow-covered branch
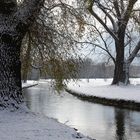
[
  {"x": 90, "y": 9},
  {"x": 134, "y": 53},
  {"x": 129, "y": 9},
  {"x": 28, "y": 11},
  {"x": 108, "y": 15},
  {"x": 116, "y": 7}
]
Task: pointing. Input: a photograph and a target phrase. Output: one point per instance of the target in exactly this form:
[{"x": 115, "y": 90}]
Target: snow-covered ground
[
  {"x": 29, "y": 83},
  {"x": 102, "y": 88},
  {"x": 22, "y": 124}
]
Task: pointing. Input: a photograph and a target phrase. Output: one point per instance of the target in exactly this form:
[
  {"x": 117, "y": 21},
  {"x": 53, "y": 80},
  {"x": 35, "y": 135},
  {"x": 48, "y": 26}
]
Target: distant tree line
[{"x": 89, "y": 69}]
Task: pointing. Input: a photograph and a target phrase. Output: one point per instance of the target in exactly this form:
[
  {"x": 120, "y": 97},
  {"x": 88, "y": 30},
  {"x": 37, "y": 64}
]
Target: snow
[
  {"x": 102, "y": 88},
  {"x": 29, "y": 83},
  {"x": 22, "y": 124}
]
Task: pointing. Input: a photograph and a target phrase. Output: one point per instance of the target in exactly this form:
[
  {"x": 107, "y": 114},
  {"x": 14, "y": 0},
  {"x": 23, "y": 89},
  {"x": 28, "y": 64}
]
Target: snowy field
[
  {"x": 102, "y": 88},
  {"x": 22, "y": 124}
]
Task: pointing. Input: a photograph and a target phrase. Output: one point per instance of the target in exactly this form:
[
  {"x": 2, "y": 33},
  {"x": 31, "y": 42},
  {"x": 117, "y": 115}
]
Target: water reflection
[
  {"x": 98, "y": 121},
  {"x": 120, "y": 124}
]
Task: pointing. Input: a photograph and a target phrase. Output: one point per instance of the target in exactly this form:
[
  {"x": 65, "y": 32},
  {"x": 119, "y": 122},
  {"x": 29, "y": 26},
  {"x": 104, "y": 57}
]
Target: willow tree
[
  {"x": 15, "y": 20},
  {"x": 49, "y": 45}
]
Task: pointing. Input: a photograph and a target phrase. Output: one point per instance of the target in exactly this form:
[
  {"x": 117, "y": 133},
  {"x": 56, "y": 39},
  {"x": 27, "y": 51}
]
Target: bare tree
[{"x": 118, "y": 18}]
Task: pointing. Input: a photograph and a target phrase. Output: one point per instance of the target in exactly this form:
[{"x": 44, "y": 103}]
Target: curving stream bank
[{"x": 97, "y": 121}]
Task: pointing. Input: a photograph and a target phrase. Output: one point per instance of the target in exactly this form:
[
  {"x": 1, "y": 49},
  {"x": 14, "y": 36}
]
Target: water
[{"x": 95, "y": 120}]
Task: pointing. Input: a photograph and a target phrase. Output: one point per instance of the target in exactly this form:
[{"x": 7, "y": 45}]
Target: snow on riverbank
[
  {"x": 23, "y": 125},
  {"x": 29, "y": 83},
  {"x": 102, "y": 88}
]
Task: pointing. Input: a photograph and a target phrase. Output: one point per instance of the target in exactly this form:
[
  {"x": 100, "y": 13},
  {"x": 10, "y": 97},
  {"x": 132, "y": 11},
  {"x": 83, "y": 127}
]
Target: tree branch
[
  {"x": 99, "y": 46},
  {"x": 134, "y": 53},
  {"x": 101, "y": 21},
  {"x": 116, "y": 6},
  {"x": 108, "y": 15},
  {"x": 128, "y": 11}
]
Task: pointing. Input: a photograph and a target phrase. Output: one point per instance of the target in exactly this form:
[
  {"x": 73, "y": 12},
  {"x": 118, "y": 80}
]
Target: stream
[{"x": 97, "y": 121}]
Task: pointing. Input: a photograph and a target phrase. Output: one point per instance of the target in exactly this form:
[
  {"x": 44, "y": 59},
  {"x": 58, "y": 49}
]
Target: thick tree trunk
[
  {"x": 126, "y": 69},
  {"x": 14, "y": 24},
  {"x": 10, "y": 74},
  {"x": 121, "y": 72}
]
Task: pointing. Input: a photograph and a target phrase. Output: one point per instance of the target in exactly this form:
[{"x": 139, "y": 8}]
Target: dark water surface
[{"x": 97, "y": 121}]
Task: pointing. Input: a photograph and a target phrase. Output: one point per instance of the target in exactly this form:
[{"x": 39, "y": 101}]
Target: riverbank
[
  {"x": 100, "y": 91},
  {"x": 22, "y": 124},
  {"x": 29, "y": 83}
]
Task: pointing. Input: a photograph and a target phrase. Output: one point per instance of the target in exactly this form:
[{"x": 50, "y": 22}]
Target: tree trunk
[
  {"x": 10, "y": 73},
  {"x": 14, "y": 23},
  {"x": 120, "y": 74}
]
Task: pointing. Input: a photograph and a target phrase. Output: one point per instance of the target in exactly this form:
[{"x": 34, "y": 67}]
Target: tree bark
[
  {"x": 10, "y": 75},
  {"x": 119, "y": 71}
]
